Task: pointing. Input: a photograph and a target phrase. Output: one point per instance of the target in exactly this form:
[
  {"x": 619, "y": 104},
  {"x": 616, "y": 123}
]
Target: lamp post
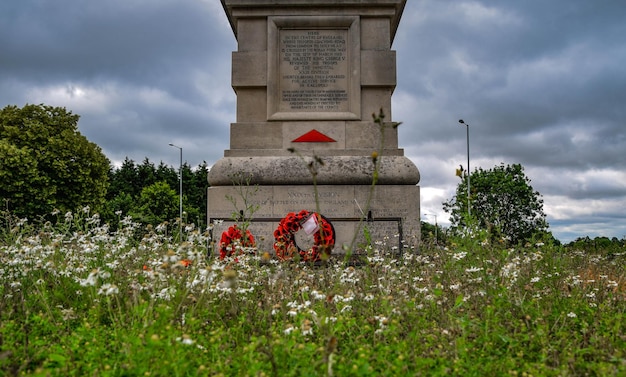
[
  {"x": 469, "y": 210},
  {"x": 180, "y": 193},
  {"x": 435, "y": 216}
]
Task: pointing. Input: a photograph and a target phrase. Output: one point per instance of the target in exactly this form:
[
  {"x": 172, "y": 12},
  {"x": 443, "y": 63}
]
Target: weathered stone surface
[
  {"x": 339, "y": 170},
  {"x": 315, "y": 67},
  {"x": 388, "y": 10},
  {"x": 392, "y": 209},
  {"x": 251, "y": 68},
  {"x": 378, "y": 68}
]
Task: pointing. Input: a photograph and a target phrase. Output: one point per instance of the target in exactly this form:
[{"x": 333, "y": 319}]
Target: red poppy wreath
[
  {"x": 323, "y": 236},
  {"x": 233, "y": 238}
]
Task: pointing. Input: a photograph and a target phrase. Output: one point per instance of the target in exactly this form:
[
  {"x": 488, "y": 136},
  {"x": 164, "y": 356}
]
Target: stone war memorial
[{"x": 309, "y": 75}]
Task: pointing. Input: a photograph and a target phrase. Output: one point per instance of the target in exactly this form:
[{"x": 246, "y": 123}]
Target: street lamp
[
  {"x": 180, "y": 195},
  {"x": 469, "y": 210},
  {"x": 436, "y": 238}
]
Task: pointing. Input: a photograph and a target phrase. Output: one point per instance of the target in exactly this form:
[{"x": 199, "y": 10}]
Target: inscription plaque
[{"x": 313, "y": 68}]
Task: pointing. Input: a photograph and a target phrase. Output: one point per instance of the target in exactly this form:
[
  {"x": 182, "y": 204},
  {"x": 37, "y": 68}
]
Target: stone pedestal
[{"x": 308, "y": 77}]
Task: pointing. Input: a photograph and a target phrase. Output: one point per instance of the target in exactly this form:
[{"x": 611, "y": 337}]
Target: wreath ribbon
[{"x": 323, "y": 236}]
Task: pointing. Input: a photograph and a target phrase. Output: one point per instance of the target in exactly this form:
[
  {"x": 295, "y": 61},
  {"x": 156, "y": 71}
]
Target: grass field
[{"x": 77, "y": 299}]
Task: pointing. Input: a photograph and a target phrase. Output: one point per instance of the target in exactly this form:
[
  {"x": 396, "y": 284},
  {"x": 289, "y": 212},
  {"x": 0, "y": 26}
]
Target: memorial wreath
[
  {"x": 313, "y": 223},
  {"x": 233, "y": 242}
]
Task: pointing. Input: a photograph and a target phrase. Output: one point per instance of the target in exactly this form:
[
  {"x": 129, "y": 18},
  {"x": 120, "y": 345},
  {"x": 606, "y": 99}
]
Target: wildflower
[
  {"x": 16, "y": 284},
  {"x": 317, "y": 295},
  {"x": 91, "y": 280},
  {"x": 68, "y": 314},
  {"x": 185, "y": 262},
  {"x": 572, "y": 315},
  {"x": 288, "y": 330},
  {"x": 108, "y": 289},
  {"x": 382, "y": 321},
  {"x": 460, "y": 255},
  {"x": 186, "y": 339},
  {"x": 104, "y": 274},
  {"x": 166, "y": 293},
  {"x": 306, "y": 328}
]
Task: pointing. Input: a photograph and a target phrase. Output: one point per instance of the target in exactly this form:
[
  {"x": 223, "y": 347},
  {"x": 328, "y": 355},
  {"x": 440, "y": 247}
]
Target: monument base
[{"x": 389, "y": 213}]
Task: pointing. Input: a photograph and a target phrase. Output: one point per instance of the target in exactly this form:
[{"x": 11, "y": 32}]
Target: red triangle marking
[{"x": 314, "y": 136}]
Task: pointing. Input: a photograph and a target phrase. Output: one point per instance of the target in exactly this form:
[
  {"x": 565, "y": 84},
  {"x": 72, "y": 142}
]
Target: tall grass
[{"x": 79, "y": 300}]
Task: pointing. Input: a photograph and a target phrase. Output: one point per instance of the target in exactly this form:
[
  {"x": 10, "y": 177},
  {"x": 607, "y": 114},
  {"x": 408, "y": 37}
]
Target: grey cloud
[{"x": 540, "y": 83}]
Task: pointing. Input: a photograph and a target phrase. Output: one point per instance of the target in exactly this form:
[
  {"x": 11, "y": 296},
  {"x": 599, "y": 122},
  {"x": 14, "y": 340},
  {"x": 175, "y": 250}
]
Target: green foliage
[
  {"x": 78, "y": 300},
  {"x": 157, "y": 203},
  {"x": 125, "y": 179},
  {"x": 502, "y": 202},
  {"x": 46, "y": 164},
  {"x": 130, "y": 179},
  {"x": 433, "y": 234},
  {"x": 598, "y": 244}
]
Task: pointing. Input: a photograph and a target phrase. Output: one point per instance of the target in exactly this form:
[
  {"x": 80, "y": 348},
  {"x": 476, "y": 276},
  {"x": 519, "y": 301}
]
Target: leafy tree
[
  {"x": 598, "y": 244},
  {"x": 45, "y": 162},
  {"x": 146, "y": 173},
  {"x": 15, "y": 190},
  {"x": 157, "y": 203},
  {"x": 502, "y": 201},
  {"x": 197, "y": 193},
  {"x": 128, "y": 181},
  {"x": 124, "y": 180},
  {"x": 167, "y": 174},
  {"x": 433, "y": 234}
]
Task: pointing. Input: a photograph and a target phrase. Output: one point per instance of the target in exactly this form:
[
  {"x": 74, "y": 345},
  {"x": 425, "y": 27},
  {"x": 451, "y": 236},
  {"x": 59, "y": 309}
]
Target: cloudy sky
[{"x": 541, "y": 83}]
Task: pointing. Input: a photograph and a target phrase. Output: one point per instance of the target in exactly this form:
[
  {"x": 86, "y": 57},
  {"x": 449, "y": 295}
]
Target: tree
[
  {"x": 599, "y": 244},
  {"x": 157, "y": 203},
  {"x": 503, "y": 202},
  {"x": 124, "y": 180},
  {"x": 196, "y": 193},
  {"x": 146, "y": 173},
  {"x": 46, "y": 164},
  {"x": 167, "y": 174},
  {"x": 432, "y": 234},
  {"x": 128, "y": 181}
]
